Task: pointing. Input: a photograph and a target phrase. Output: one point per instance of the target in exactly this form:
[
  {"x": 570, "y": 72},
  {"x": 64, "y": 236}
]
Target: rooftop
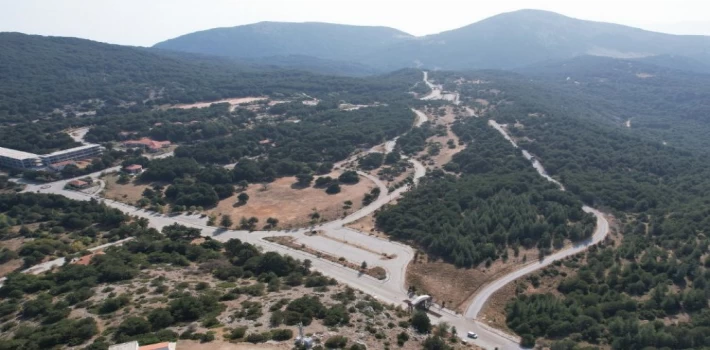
[
  {"x": 147, "y": 142},
  {"x": 134, "y": 167},
  {"x": 159, "y": 346},
  {"x": 75, "y": 149},
  {"x": 78, "y": 183},
  {"x": 11, "y": 153}
]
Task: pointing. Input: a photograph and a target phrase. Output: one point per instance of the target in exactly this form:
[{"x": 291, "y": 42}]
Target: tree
[
  {"x": 179, "y": 232},
  {"x": 435, "y": 343},
  {"x": 243, "y": 198},
  {"x": 333, "y": 189},
  {"x": 304, "y": 180},
  {"x": 349, "y": 177},
  {"x": 336, "y": 342},
  {"x": 243, "y": 184},
  {"x": 323, "y": 181},
  {"x": 363, "y": 266},
  {"x": 226, "y": 221},
  {"x": 133, "y": 326},
  {"x": 392, "y": 158},
  {"x": 272, "y": 222},
  {"x": 420, "y": 321},
  {"x": 160, "y": 318}
]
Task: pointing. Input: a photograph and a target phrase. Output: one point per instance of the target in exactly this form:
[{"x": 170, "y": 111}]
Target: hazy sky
[{"x": 145, "y": 22}]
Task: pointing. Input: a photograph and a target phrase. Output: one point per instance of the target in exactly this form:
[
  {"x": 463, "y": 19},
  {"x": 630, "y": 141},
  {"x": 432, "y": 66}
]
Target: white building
[
  {"x": 24, "y": 160},
  {"x": 17, "y": 159}
]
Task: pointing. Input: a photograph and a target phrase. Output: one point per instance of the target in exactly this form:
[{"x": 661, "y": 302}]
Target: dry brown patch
[
  {"x": 10, "y": 266},
  {"x": 293, "y": 206},
  {"x": 445, "y": 153},
  {"x": 14, "y": 243},
  {"x": 128, "y": 193},
  {"x": 456, "y": 286},
  {"x": 365, "y": 224},
  {"x": 232, "y": 101},
  {"x": 482, "y": 102}
]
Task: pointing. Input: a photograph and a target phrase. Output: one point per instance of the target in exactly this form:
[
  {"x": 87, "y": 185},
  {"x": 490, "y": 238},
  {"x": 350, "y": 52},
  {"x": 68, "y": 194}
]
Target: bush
[
  {"x": 238, "y": 333},
  {"x": 336, "y": 342},
  {"x": 333, "y": 189},
  {"x": 349, "y": 177},
  {"x": 281, "y": 334},
  {"x": 258, "y": 337}
]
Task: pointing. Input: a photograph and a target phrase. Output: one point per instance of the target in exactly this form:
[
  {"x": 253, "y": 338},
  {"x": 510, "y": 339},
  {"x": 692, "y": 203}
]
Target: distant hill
[
  {"x": 42, "y": 73},
  {"x": 504, "y": 41},
  {"x": 39, "y": 74},
  {"x": 266, "y": 39},
  {"x": 311, "y": 64}
]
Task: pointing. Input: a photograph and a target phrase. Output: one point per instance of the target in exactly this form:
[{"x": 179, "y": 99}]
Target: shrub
[
  {"x": 281, "y": 334},
  {"x": 238, "y": 333},
  {"x": 336, "y": 342}
]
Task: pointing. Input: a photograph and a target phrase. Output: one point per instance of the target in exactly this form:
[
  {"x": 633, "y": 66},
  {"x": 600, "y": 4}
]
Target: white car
[{"x": 472, "y": 335}]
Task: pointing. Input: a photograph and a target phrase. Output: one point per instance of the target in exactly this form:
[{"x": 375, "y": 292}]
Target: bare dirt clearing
[
  {"x": 293, "y": 206},
  {"x": 232, "y": 101},
  {"x": 456, "y": 286},
  {"x": 128, "y": 193},
  {"x": 445, "y": 152}
]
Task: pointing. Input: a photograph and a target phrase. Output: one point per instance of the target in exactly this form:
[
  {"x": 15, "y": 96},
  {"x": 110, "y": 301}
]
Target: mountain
[
  {"x": 265, "y": 39},
  {"x": 508, "y": 40},
  {"x": 524, "y": 37},
  {"x": 311, "y": 64}
]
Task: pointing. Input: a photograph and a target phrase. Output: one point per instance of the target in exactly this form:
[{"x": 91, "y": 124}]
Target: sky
[{"x": 146, "y": 22}]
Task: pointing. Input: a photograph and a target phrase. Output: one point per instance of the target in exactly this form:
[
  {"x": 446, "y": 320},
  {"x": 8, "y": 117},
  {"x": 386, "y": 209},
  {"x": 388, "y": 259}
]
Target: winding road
[{"x": 334, "y": 242}]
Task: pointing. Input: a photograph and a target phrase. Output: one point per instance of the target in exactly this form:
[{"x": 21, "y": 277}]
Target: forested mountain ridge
[
  {"x": 264, "y": 39},
  {"x": 41, "y": 74},
  {"x": 504, "y": 41}
]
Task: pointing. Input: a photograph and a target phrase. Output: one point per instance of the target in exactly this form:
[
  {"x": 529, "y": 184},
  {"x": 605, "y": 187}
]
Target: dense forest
[
  {"x": 663, "y": 104},
  {"x": 498, "y": 202},
  {"x": 41, "y": 74},
  {"x": 625, "y": 295},
  {"x": 321, "y": 136}
]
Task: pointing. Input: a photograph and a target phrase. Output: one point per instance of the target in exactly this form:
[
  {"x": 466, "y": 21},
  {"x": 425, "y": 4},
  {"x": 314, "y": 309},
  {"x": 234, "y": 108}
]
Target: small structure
[
  {"x": 422, "y": 302},
  {"x": 147, "y": 144},
  {"x": 301, "y": 340},
  {"x": 78, "y": 184},
  {"x": 133, "y": 169},
  {"x": 133, "y": 345}
]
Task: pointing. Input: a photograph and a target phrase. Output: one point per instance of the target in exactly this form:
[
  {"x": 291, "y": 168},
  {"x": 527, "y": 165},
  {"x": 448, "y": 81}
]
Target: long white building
[{"x": 24, "y": 160}]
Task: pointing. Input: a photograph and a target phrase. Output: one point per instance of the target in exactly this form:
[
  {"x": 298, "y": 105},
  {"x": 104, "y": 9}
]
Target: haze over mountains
[{"x": 505, "y": 41}]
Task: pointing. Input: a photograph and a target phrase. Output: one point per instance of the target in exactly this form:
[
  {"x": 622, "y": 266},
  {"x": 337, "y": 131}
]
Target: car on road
[{"x": 472, "y": 335}]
